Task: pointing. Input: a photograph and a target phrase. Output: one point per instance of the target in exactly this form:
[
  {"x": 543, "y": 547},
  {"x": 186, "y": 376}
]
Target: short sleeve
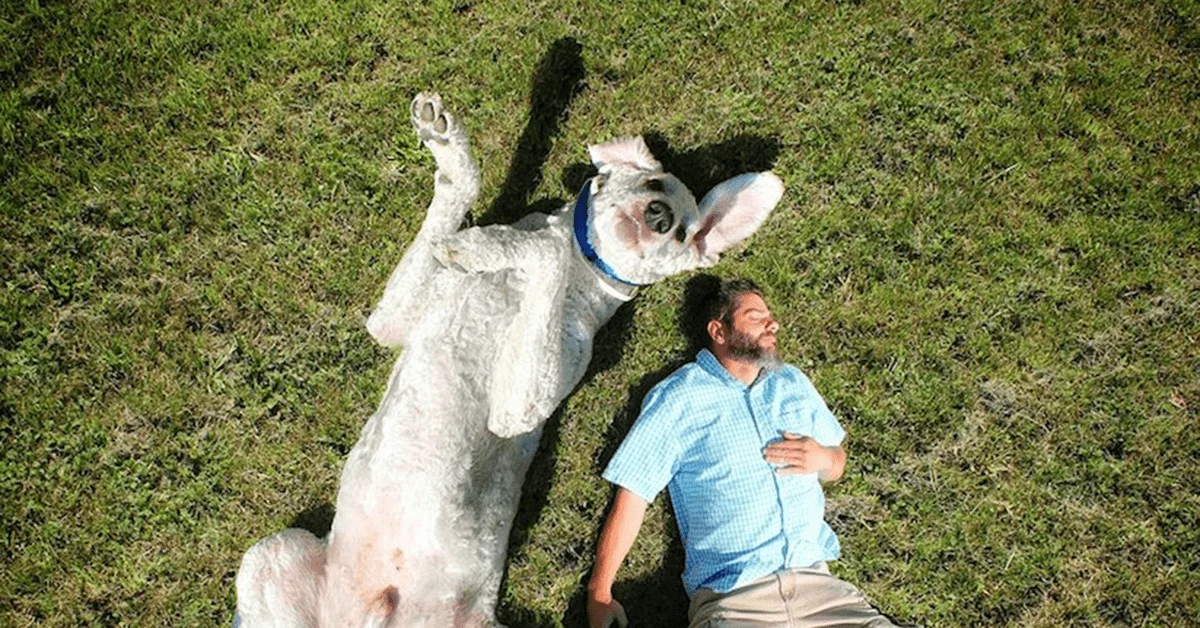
[
  {"x": 826, "y": 429},
  {"x": 649, "y": 456}
]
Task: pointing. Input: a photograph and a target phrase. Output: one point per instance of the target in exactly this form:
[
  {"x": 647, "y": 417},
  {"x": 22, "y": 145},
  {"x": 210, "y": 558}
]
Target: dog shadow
[
  {"x": 317, "y": 519},
  {"x": 557, "y": 80}
]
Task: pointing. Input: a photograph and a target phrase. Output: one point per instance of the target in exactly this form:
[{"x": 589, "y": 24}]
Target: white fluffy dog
[{"x": 497, "y": 325}]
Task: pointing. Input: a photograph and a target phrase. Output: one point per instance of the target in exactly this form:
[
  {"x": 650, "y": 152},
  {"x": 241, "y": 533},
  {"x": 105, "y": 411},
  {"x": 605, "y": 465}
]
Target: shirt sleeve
[
  {"x": 826, "y": 428},
  {"x": 648, "y": 457}
]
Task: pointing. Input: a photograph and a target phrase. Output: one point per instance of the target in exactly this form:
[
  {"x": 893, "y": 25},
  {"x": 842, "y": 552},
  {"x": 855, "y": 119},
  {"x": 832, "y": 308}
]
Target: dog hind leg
[
  {"x": 279, "y": 581},
  {"x": 456, "y": 185}
]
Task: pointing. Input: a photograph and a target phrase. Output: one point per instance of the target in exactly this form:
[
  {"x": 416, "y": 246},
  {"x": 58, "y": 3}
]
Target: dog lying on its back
[{"x": 497, "y": 325}]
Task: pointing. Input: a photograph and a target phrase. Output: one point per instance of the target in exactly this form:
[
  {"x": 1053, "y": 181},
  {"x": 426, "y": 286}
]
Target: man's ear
[
  {"x": 631, "y": 152},
  {"x": 716, "y": 331},
  {"x": 734, "y": 210}
]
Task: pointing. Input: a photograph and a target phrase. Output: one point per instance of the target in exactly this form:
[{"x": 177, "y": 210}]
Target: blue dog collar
[{"x": 585, "y": 244}]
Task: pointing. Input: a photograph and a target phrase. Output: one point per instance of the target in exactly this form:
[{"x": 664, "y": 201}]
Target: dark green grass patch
[{"x": 987, "y": 259}]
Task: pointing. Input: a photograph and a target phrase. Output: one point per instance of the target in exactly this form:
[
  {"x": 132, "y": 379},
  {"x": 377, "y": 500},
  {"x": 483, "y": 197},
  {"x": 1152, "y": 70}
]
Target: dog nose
[{"x": 659, "y": 217}]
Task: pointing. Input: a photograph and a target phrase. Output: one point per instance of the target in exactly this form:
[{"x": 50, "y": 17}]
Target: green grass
[{"x": 987, "y": 259}]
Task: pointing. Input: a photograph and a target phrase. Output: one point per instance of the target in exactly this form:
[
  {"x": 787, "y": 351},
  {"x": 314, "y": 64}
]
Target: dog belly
[{"x": 428, "y": 494}]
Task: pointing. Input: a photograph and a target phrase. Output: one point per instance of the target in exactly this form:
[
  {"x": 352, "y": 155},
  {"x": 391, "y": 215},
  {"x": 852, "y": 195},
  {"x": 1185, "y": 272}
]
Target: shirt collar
[{"x": 713, "y": 366}]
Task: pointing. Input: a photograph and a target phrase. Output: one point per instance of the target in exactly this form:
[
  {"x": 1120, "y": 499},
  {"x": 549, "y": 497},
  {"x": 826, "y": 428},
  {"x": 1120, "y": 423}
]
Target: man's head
[{"x": 740, "y": 324}]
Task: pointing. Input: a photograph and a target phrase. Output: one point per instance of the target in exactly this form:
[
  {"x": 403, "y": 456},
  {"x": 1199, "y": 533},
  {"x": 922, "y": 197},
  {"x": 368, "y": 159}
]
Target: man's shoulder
[
  {"x": 792, "y": 379},
  {"x": 681, "y": 386},
  {"x": 689, "y": 375},
  {"x": 791, "y": 373}
]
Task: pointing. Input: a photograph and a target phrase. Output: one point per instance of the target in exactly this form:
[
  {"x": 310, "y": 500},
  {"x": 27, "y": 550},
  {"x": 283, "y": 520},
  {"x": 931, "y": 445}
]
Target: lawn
[{"x": 987, "y": 259}]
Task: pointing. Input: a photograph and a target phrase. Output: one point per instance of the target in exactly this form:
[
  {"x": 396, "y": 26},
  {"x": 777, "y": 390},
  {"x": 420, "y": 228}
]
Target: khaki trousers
[{"x": 797, "y": 598}]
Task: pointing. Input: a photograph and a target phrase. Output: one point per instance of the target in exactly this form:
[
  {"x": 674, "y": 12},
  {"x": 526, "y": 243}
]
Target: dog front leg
[
  {"x": 456, "y": 184},
  {"x": 527, "y": 373},
  {"x": 526, "y": 378}
]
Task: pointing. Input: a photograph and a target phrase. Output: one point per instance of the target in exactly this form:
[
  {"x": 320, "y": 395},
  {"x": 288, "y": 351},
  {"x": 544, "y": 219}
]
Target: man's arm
[
  {"x": 801, "y": 454},
  {"x": 620, "y": 530}
]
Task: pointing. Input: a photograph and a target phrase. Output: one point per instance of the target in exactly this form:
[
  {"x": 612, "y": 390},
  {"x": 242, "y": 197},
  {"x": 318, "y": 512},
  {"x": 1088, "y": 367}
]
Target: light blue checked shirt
[{"x": 701, "y": 434}]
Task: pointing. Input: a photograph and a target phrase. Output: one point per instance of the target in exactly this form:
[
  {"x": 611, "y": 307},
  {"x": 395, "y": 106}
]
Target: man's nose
[{"x": 772, "y": 325}]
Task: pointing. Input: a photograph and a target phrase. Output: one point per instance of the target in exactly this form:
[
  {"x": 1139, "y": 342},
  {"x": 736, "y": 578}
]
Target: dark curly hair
[{"x": 719, "y": 305}]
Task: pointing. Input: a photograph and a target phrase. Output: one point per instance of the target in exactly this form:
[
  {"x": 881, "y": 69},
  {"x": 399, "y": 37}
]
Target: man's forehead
[{"x": 750, "y": 303}]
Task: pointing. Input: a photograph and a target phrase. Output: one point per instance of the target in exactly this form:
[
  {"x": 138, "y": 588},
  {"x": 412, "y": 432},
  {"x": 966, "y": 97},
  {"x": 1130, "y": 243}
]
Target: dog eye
[
  {"x": 654, "y": 185},
  {"x": 681, "y": 234}
]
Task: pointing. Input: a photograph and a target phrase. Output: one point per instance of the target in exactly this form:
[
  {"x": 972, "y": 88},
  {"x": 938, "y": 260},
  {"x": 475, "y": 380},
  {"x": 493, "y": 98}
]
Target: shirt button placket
[{"x": 760, "y": 412}]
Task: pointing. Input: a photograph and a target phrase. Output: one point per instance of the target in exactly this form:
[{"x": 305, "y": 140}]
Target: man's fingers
[
  {"x": 606, "y": 614},
  {"x": 788, "y": 462},
  {"x": 796, "y": 454},
  {"x": 800, "y": 444},
  {"x": 774, "y": 450},
  {"x": 791, "y": 470},
  {"x": 785, "y": 456}
]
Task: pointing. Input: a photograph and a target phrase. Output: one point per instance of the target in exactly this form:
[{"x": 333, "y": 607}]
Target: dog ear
[
  {"x": 631, "y": 152},
  {"x": 733, "y": 210}
]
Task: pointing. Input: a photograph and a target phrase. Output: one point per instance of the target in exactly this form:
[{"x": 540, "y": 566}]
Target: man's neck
[{"x": 746, "y": 371}]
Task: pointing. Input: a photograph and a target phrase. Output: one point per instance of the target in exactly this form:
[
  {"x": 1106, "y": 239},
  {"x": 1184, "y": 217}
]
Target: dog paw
[
  {"x": 473, "y": 250},
  {"x": 431, "y": 120},
  {"x": 448, "y": 253}
]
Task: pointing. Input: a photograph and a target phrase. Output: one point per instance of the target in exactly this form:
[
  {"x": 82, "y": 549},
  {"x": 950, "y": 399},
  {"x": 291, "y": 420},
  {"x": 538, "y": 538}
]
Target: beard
[{"x": 751, "y": 348}]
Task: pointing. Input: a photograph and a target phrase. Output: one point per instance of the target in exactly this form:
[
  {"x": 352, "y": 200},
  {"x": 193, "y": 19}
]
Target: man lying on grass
[{"x": 742, "y": 442}]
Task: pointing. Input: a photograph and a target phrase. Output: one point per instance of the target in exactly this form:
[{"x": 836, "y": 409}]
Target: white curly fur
[{"x": 497, "y": 325}]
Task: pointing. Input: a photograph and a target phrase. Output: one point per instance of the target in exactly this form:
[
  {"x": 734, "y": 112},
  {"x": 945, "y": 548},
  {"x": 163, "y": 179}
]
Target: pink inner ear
[
  {"x": 630, "y": 151},
  {"x": 734, "y": 210},
  {"x": 701, "y": 237}
]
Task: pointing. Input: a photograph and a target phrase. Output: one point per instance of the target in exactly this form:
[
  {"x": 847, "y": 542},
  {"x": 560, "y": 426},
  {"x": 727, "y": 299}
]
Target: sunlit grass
[{"x": 987, "y": 259}]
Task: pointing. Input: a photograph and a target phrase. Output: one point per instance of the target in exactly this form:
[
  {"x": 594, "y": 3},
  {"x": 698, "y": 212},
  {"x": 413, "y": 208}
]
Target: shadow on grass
[
  {"x": 557, "y": 80},
  {"x": 702, "y": 168},
  {"x": 317, "y": 519}
]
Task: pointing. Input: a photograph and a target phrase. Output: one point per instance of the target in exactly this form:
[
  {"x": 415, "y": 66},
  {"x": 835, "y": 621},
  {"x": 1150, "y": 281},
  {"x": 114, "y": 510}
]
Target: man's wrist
[
  {"x": 600, "y": 592},
  {"x": 837, "y": 463}
]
